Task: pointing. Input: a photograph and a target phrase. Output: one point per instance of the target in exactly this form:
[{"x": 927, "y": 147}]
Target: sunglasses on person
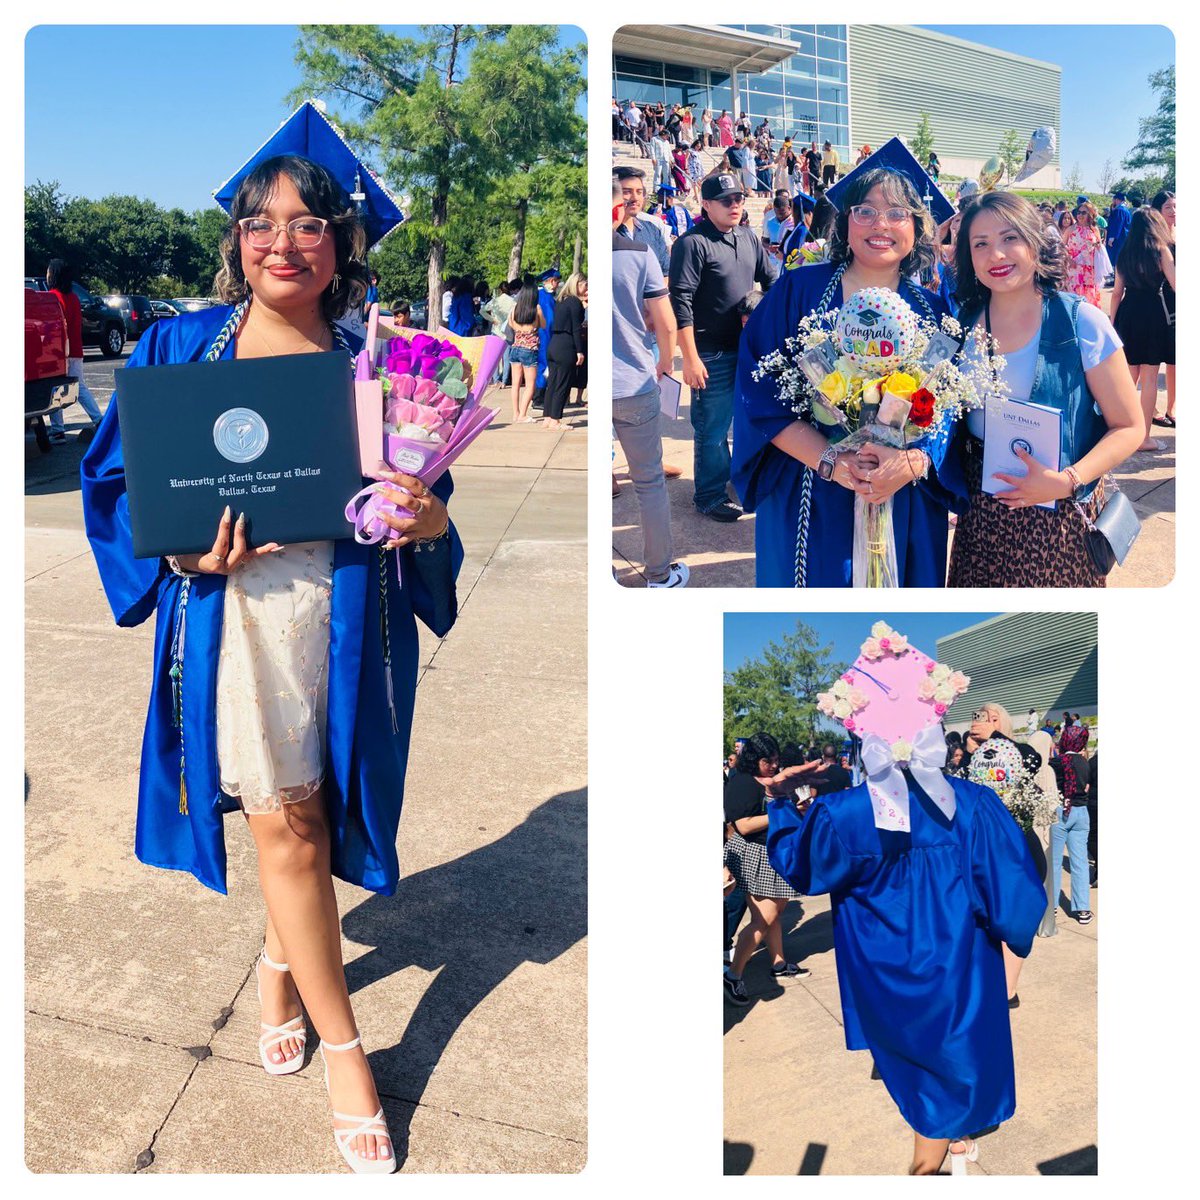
[
  {"x": 305, "y": 233},
  {"x": 730, "y": 201},
  {"x": 866, "y": 214}
]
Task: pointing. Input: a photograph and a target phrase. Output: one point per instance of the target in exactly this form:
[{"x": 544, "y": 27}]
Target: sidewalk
[
  {"x": 723, "y": 555},
  {"x": 798, "y": 1102},
  {"x": 469, "y": 984}
]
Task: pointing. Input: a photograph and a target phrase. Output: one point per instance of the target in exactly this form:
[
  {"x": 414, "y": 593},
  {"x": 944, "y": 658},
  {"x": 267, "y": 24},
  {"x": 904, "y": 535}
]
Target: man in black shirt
[
  {"x": 834, "y": 777},
  {"x": 713, "y": 267}
]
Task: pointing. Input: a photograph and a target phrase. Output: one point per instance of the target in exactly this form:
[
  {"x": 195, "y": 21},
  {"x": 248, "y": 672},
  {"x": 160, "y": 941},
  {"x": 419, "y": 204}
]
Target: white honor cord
[{"x": 888, "y": 787}]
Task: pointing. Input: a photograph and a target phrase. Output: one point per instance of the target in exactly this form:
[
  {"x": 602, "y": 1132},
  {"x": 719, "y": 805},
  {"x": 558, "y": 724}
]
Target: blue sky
[
  {"x": 165, "y": 112},
  {"x": 1104, "y": 88},
  {"x": 747, "y": 633}
]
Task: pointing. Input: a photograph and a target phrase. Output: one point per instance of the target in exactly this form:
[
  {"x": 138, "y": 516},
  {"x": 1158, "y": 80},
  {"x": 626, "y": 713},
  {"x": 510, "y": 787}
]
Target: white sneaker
[{"x": 677, "y": 576}]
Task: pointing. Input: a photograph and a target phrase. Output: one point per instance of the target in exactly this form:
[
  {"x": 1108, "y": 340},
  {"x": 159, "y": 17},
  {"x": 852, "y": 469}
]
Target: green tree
[
  {"x": 921, "y": 144},
  {"x": 43, "y": 226},
  {"x": 1012, "y": 151},
  {"x": 448, "y": 115},
  {"x": 1156, "y": 134},
  {"x": 777, "y": 692},
  {"x": 1074, "y": 181}
]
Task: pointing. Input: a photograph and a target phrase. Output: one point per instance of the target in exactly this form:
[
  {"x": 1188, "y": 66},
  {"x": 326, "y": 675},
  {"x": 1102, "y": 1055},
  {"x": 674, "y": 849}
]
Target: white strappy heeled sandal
[
  {"x": 960, "y": 1158},
  {"x": 275, "y": 1035},
  {"x": 374, "y": 1126}
]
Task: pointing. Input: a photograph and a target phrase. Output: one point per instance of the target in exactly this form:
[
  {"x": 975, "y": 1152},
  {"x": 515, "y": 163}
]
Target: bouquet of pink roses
[{"x": 418, "y": 400}]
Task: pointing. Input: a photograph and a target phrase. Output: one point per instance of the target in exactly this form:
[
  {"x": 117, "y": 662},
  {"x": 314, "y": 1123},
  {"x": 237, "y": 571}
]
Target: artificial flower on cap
[{"x": 894, "y": 697}]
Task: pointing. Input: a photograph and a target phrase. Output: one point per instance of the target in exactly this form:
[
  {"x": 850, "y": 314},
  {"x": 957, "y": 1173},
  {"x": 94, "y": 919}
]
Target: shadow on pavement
[
  {"x": 475, "y": 920},
  {"x": 1084, "y": 1161},
  {"x": 813, "y": 1160},
  {"x": 738, "y": 1157}
]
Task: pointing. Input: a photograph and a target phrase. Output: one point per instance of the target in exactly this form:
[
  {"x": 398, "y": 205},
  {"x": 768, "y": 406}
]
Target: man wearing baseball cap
[{"x": 713, "y": 267}]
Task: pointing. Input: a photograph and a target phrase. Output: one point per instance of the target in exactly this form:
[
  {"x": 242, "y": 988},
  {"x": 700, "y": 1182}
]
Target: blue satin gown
[
  {"x": 770, "y": 482},
  {"x": 365, "y": 760},
  {"x": 918, "y": 919},
  {"x": 546, "y": 303}
]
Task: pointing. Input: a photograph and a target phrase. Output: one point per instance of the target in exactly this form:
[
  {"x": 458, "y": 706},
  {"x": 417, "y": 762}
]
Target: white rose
[
  {"x": 842, "y": 709},
  {"x": 902, "y": 750},
  {"x": 880, "y": 629},
  {"x": 945, "y": 693},
  {"x": 841, "y": 689},
  {"x": 940, "y": 673}
]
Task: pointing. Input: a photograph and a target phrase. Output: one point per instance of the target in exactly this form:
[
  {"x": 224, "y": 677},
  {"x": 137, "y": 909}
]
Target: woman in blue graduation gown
[
  {"x": 292, "y": 264},
  {"x": 804, "y": 522},
  {"x": 919, "y": 918}
]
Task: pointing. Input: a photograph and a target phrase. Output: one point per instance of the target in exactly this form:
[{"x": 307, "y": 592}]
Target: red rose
[{"x": 922, "y": 407}]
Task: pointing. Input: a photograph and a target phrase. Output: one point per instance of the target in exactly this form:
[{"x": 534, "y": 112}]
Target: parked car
[
  {"x": 163, "y": 308},
  {"x": 191, "y": 303},
  {"x": 35, "y": 285},
  {"x": 136, "y": 311},
  {"x": 48, "y": 387},
  {"x": 103, "y": 325},
  {"x": 418, "y": 313}
]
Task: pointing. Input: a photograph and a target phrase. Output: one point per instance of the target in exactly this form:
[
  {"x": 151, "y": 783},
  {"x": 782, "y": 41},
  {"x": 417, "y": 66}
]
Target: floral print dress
[{"x": 1081, "y": 244}]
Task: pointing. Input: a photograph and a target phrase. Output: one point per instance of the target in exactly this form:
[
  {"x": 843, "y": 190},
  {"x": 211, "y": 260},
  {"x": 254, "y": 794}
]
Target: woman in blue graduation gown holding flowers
[
  {"x": 929, "y": 877},
  {"x": 284, "y": 677},
  {"x": 785, "y": 470}
]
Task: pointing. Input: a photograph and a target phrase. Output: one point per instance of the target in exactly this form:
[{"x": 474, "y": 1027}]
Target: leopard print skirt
[{"x": 997, "y": 546}]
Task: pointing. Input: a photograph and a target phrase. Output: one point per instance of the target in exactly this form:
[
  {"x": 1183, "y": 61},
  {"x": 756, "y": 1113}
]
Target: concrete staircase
[{"x": 625, "y": 155}]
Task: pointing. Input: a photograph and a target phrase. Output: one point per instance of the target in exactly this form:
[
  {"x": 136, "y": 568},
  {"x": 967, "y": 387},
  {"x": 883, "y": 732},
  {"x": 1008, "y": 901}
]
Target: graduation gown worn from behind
[
  {"x": 770, "y": 482},
  {"x": 365, "y": 760},
  {"x": 918, "y": 920},
  {"x": 546, "y": 303}
]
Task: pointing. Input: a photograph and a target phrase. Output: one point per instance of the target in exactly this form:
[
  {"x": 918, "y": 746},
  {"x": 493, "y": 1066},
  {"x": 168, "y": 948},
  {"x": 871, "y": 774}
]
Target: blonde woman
[{"x": 565, "y": 354}]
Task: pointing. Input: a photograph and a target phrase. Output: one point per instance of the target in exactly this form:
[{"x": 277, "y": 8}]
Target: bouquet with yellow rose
[{"x": 875, "y": 372}]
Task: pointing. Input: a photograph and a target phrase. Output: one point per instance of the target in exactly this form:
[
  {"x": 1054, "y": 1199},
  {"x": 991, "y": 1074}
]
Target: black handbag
[{"x": 1110, "y": 536}]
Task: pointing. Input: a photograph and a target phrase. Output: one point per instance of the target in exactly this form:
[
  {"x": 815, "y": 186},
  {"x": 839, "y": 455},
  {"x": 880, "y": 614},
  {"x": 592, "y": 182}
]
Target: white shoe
[
  {"x": 677, "y": 576},
  {"x": 960, "y": 1158},
  {"x": 275, "y": 1035},
  {"x": 374, "y": 1126}
]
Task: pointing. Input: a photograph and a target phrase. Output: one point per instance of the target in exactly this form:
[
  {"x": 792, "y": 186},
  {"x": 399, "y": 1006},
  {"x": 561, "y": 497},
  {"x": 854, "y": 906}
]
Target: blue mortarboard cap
[
  {"x": 665, "y": 189},
  {"x": 1081, "y": 199},
  {"x": 1118, "y": 195},
  {"x": 803, "y": 201},
  {"x": 895, "y": 156},
  {"x": 309, "y": 132},
  {"x": 552, "y": 273}
]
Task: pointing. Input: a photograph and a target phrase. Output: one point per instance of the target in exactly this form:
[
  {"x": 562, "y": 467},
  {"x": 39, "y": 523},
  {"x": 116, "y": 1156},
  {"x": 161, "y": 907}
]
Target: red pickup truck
[{"x": 48, "y": 387}]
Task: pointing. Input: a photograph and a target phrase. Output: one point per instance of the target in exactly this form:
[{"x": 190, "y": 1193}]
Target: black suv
[
  {"x": 103, "y": 325},
  {"x": 137, "y": 312}
]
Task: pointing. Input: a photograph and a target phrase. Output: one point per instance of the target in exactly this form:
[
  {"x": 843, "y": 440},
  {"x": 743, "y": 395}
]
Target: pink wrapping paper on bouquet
[{"x": 418, "y": 409}]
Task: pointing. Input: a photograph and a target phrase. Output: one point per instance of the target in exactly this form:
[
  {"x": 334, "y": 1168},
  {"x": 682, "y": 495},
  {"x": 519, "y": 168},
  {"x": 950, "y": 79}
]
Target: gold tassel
[{"x": 183, "y": 808}]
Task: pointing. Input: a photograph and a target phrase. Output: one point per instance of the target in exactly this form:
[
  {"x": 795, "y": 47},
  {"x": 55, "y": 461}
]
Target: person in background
[
  {"x": 1164, "y": 203},
  {"x": 401, "y": 314},
  {"x": 1118, "y": 227},
  {"x": 565, "y": 353},
  {"x": 834, "y": 776},
  {"x": 462, "y": 306},
  {"x": 829, "y": 167},
  {"x": 448, "y": 286},
  {"x": 548, "y": 281},
  {"x": 1074, "y": 822},
  {"x": 778, "y": 222},
  {"x": 674, "y": 216},
  {"x": 1089, "y": 259},
  {"x": 526, "y": 320},
  {"x": 933, "y": 167},
  {"x": 1093, "y": 804},
  {"x": 59, "y": 278},
  {"x": 372, "y": 296},
  {"x": 639, "y": 289},
  {"x": 1143, "y": 310},
  {"x": 496, "y": 311},
  {"x": 712, "y": 268},
  {"x": 635, "y": 224},
  {"x": 746, "y": 856}
]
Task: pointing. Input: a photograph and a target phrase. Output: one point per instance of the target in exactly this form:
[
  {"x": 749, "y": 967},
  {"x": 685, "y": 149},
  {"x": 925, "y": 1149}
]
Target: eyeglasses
[
  {"x": 865, "y": 214},
  {"x": 305, "y": 232},
  {"x": 730, "y": 201}
]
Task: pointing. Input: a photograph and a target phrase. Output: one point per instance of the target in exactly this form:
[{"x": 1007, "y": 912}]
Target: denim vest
[{"x": 1059, "y": 381}]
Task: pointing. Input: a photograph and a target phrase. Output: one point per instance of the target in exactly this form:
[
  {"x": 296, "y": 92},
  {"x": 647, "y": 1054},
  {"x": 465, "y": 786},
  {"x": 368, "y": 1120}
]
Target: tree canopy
[
  {"x": 476, "y": 126},
  {"x": 1155, "y": 149},
  {"x": 922, "y": 141},
  {"x": 776, "y": 692}
]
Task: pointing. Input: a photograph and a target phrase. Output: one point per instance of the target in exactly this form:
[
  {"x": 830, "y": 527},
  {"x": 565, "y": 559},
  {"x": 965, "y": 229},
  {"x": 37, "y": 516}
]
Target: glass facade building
[{"x": 807, "y": 95}]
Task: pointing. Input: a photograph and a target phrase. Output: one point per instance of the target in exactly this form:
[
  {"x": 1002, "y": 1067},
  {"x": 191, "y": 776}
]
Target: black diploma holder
[{"x": 276, "y": 439}]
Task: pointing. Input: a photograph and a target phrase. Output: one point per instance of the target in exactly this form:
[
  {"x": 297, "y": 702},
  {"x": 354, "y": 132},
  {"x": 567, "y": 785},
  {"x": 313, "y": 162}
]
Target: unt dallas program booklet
[{"x": 1009, "y": 424}]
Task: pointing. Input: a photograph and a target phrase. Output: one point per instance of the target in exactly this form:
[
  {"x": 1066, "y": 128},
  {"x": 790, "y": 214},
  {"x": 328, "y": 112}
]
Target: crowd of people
[
  {"x": 737, "y": 293},
  {"x": 543, "y": 320}
]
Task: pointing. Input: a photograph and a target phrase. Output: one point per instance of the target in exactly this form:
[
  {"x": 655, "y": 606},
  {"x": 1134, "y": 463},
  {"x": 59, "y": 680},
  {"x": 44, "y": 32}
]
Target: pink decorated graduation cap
[{"x": 893, "y": 691}]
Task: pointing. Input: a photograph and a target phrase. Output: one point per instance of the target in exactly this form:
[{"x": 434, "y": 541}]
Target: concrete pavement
[
  {"x": 797, "y": 1102},
  {"x": 469, "y": 984}
]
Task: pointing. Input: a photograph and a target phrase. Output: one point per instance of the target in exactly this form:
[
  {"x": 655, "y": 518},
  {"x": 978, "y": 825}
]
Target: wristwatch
[{"x": 828, "y": 459}]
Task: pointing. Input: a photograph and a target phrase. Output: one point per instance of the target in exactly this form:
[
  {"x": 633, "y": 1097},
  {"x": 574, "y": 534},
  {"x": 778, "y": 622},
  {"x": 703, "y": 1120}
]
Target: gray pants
[{"x": 635, "y": 421}]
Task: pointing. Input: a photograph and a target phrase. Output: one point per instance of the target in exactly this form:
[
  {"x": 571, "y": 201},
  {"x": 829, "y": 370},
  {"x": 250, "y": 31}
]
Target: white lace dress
[{"x": 273, "y": 676}]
